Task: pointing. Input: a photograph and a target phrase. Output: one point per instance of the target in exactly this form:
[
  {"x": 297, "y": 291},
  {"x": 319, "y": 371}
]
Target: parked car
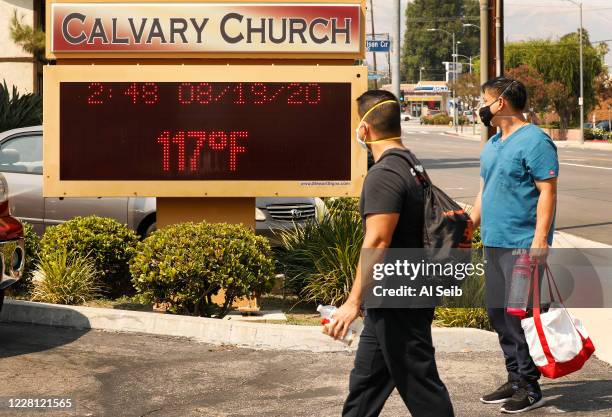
[
  {"x": 604, "y": 125},
  {"x": 406, "y": 117},
  {"x": 21, "y": 161},
  {"x": 12, "y": 250}
]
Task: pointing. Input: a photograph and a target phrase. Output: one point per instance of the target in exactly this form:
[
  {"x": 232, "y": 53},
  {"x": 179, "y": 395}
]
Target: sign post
[{"x": 204, "y": 105}]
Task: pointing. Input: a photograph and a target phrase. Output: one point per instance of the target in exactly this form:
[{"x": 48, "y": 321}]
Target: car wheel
[{"x": 152, "y": 227}]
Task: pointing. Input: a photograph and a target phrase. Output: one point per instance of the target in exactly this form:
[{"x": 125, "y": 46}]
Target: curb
[{"x": 219, "y": 332}]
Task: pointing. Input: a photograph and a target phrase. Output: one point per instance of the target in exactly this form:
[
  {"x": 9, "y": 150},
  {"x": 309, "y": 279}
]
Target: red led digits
[
  {"x": 204, "y": 93},
  {"x": 239, "y": 91},
  {"x": 235, "y": 148},
  {"x": 132, "y": 92},
  {"x": 147, "y": 91},
  {"x": 260, "y": 90},
  {"x": 185, "y": 93},
  {"x": 217, "y": 141},
  {"x": 313, "y": 93},
  {"x": 164, "y": 140},
  {"x": 95, "y": 93},
  {"x": 296, "y": 96},
  {"x": 179, "y": 140},
  {"x": 150, "y": 93},
  {"x": 200, "y": 137}
]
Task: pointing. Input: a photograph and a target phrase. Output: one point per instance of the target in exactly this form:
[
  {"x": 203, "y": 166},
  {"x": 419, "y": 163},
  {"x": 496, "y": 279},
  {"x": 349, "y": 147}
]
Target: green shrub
[
  {"x": 65, "y": 279},
  {"x": 320, "y": 260},
  {"x": 32, "y": 248},
  {"x": 108, "y": 243},
  {"x": 184, "y": 265},
  {"x": 18, "y": 110}
]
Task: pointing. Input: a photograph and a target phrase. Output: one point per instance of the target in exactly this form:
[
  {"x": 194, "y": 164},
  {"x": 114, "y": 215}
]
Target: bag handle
[{"x": 537, "y": 320}]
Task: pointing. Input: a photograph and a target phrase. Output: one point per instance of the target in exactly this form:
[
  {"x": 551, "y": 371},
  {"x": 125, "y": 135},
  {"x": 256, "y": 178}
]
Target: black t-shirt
[{"x": 391, "y": 187}]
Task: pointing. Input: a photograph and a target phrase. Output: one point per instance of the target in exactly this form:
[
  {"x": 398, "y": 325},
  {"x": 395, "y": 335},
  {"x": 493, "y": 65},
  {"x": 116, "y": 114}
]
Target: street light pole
[
  {"x": 581, "y": 99},
  {"x": 454, "y": 69},
  {"x": 421, "y": 73},
  {"x": 395, "y": 61},
  {"x": 374, "y": 38},
  {"x": 581, "y": 81}
]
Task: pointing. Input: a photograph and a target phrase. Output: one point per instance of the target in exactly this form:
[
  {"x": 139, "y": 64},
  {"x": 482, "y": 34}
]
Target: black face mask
[{"x": 486, "y": 115}]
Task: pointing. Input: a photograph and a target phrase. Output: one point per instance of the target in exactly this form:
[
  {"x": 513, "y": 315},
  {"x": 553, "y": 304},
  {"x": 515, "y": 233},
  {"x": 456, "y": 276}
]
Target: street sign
[
  {"x": 378, "y": 45},
  {"x": 216, "y": 131},
  {"x": 212, "y": 29}
]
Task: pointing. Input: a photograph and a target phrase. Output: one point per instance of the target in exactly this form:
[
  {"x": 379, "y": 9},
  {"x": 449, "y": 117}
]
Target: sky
[{"x": 528, "y": 19}]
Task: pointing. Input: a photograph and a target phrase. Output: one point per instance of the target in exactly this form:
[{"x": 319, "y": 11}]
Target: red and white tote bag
[{"x": 558, "y": 343}]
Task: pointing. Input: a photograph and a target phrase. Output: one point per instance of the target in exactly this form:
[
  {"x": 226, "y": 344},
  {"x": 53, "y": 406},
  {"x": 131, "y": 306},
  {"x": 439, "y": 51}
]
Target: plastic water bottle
[
  {"x": 518, "y": 298},
  {"x": 327, "y": 313}
]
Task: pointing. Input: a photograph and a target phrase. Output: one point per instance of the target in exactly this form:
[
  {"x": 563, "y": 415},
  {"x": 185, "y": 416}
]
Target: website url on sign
[{"x": 324, "y": 183}]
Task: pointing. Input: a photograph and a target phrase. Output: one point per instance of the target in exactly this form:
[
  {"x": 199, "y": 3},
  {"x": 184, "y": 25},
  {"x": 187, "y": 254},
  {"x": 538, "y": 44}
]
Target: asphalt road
[
  {"x": 585, "y": 181},
  {"x": 125, "y": 375}
]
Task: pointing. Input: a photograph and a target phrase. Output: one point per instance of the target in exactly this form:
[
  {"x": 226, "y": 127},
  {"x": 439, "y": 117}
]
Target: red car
[{"x": 12, "y": 248}]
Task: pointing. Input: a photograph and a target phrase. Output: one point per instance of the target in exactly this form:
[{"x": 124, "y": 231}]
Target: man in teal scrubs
[{"x": 516, "y": 209}]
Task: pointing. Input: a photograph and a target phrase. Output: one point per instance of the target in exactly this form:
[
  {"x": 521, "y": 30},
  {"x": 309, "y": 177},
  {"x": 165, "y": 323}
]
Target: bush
[
  {"x": 184, "y": 265},
  {"x": 32, "y": 248},
  {"x": 18, "y": 110},
  {"x": 65, "y": 279},
  {"x": 108, "y": 243},
  {"x": 320, "y": 259}
]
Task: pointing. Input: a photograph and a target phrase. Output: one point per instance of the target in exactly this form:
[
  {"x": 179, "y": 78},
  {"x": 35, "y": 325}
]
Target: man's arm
[
  {"x": 475, "y": 213},
  {"x": 379, "y": 231},
  {"x": 544, "y": 217}
]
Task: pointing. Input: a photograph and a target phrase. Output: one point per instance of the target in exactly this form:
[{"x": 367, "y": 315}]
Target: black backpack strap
[{"x": 415, "y": 164}]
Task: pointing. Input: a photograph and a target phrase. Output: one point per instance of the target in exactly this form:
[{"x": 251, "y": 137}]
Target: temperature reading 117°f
[
  {"x": 205, "y": 93},
  {"x": 184, "y": 149}
]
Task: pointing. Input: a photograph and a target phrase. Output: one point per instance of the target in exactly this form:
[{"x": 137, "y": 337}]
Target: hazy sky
[{"x": 530, "y": 19}]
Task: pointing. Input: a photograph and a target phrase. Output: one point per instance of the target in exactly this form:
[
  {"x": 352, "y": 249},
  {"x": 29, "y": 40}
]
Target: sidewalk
[
  {"x": 120, "y": 374},
  {"x": 600, "y": 146}
]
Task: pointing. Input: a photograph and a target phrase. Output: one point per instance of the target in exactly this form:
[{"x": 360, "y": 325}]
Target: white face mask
[{"x": 360, "y": 139}]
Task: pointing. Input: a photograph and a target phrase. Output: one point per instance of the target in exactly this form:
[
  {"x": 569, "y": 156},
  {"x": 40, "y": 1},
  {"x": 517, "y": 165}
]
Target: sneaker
[
  {"x": 527, "y": 397},
  {"x": 501, "y": 394}
]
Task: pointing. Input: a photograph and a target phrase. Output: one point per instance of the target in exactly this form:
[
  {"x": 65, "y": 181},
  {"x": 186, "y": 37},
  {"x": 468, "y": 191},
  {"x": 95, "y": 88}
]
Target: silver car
[{"x": 21, "y": 156}]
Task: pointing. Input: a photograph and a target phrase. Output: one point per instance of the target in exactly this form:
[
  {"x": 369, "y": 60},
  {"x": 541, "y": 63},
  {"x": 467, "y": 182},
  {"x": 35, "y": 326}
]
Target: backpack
[{"x": 446, "y": 225}]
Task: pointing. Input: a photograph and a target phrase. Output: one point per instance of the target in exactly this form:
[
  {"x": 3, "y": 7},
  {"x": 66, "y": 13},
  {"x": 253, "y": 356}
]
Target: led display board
[{"x": 202, "y": 130}]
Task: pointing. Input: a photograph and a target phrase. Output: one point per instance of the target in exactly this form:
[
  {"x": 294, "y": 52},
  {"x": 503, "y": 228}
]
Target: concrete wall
[{"x": 15, "y": 73}]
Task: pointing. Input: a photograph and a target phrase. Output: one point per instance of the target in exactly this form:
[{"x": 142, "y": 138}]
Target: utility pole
[
  {"x": 374, "y": 38},
  {"x": 581, "y": 81},
  {"x": 395, "y": 61},
  {"x": 421, "y": 73},
  {"x": 484, "y": 55}
]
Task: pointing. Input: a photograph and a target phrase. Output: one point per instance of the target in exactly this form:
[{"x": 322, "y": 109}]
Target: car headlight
[
  {"x": 260, "y": 216},
  {"x": 321, "y": 209}
]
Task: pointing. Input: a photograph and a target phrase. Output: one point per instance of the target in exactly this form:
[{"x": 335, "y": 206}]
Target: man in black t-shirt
[{"x": 395, "y": 348}]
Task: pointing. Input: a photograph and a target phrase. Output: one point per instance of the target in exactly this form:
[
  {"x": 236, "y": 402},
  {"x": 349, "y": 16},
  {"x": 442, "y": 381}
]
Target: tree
[
  {"x": 429, "y": 49},
  {"x": 559, "y": 62},
  {"x": 467, "y": 89},
  {"x": 31, "y": 40},
  {"x": 537, "y": 95}
]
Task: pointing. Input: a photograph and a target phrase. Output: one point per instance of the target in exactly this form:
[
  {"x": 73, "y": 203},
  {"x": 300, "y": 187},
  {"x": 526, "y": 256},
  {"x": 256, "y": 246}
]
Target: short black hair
[
  {"x": 385, "y": 119},
  {"x": 513, "y": 90}
]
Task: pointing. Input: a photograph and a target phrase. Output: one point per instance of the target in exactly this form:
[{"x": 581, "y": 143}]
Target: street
[
  {"x": 118, "y": 374},
  {"x": 585, "y": 182}
]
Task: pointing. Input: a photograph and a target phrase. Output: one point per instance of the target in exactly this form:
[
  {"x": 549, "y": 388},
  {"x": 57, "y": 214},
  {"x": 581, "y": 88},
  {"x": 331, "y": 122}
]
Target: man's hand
[
  {"x": 342, "y": 319},
  {"x": 539, "y": 250}
]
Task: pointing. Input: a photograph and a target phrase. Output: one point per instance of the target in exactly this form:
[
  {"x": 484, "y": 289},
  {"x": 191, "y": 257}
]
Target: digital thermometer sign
[
  {"x": 187, "y": 130},
  {"x": 204, "y": 130}
]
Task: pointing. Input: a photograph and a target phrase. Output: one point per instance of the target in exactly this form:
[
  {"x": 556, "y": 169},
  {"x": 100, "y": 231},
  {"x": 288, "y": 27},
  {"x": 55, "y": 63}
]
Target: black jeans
[
  {"x": 498, "y": 270},
  {"x": 395, "y": 351}
]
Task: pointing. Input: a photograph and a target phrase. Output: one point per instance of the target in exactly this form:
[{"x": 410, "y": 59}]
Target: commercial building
[
  {"x": 17, "y": 67},
  {"x": 424, "y": 96}
]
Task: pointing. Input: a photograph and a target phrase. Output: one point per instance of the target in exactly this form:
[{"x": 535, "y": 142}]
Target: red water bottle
[{"x": 520, "y": 285}]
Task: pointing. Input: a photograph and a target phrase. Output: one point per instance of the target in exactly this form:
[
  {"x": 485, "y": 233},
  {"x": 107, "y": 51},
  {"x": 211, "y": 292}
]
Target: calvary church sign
[{"x": 209, "y": 28}]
